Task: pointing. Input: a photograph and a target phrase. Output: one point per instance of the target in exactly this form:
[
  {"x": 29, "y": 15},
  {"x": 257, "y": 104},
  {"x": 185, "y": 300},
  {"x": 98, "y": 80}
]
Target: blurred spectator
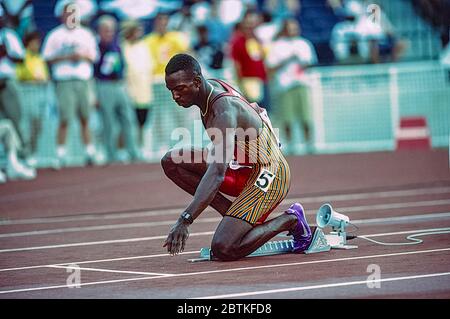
[
  {"x": 164, "y": 44},
  {"x": 209, "y": 54},
  {"x": 378, "y": 37},
  {"x": 11, "y": 144},
  {"x": 136, "y": 9},
  {"x": 71, "y": 51},
  {"x": 138, "y": 72},
  {"x": 87, "y": 9},
  {"x": 200, "y": 11},
  {"x": 33, "y": 72},
  {"x": 364, "y": 36},
  {"x": 218, "y": 32},
  {"x": 267, "y": 29},
  {"x": 113, "y": 98},
  {"x": 345, "y": 37},
  {"x": 11, "y": 52},
  {"x": 248, "y": 56},
  {"x": 19, "y": 14},
  {"x": 230, "y": 11},
  {"x": 184, "y": 22},
  {"x": 281, "y": 9},
  {"x": 288, "y": 57}
]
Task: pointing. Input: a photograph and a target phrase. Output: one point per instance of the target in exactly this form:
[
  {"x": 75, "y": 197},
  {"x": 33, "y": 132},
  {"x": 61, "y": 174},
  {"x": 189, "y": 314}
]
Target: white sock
[
  {"x": 12, "y": 158},
  {"x": 61, "y": 151},
  {"x": 90, "y": 149}
]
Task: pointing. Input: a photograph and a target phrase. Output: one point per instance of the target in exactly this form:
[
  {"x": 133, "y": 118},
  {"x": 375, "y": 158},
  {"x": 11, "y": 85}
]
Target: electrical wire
[{"x": 412, "y": 238}]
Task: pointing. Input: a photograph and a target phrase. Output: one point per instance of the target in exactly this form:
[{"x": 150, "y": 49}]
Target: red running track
[{"x": 111, "y": 222}]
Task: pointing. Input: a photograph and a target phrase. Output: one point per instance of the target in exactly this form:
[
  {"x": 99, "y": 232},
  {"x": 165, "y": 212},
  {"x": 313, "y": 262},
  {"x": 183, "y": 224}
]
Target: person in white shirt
[
  {"x": 346, "y": 39},
  {"x": 365, "y": 36},
  {"x": 287, "y": 59},
  {"x": 71, "y": 50},
  {"x": 11, "y": 53},
  {"x": 379, "y": 41}
]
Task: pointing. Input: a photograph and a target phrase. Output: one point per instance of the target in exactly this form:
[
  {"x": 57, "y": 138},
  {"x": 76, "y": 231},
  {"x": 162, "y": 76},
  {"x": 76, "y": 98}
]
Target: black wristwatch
[{"x": 187, "y": 217}]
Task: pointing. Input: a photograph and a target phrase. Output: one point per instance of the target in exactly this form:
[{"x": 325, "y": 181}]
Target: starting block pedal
[{"x": 318, "y": 244}]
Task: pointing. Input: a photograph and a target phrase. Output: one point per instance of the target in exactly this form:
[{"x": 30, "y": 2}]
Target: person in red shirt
[{"x": 248, "y": 56}]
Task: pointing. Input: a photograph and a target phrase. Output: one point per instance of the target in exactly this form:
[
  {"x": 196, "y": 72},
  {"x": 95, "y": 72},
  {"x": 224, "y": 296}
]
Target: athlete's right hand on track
[{"x": 177, "y": 237}]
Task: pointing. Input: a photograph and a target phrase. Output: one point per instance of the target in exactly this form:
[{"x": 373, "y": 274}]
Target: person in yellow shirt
[
  {"x": 163, "y": 44},
  {"x": 34, "y": 77}
]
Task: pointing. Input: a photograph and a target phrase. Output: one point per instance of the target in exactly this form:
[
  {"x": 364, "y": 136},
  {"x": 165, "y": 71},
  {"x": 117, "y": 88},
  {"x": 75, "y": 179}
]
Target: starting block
[
  {"x": 268, "y": 249},
  {"x": 318, "y": 244},
  {"x": 326, "y": 216}
]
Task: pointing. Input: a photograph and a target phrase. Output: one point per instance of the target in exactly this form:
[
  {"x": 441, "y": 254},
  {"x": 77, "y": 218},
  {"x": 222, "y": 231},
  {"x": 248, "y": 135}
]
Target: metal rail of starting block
[{"x": 319, "y": 243}]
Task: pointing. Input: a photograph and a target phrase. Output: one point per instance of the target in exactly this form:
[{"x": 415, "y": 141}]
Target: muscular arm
[{"x": 221, "y": 130}]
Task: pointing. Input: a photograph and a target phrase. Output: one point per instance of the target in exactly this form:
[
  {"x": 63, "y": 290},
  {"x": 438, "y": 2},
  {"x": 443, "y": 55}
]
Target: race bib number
[{"x": 264, "y": 180}]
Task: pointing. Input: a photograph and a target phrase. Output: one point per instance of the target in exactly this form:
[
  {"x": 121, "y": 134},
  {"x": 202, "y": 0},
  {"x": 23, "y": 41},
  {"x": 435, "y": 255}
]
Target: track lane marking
[
  {"x": 333, "y": 285},
  {"x": 343, "y": 210},
  {"x": 111, "y": 270},
  {"x": 231, "y": 270},
  {"x": 198, "y": 251},
  {"x": 160, "y": 212}
]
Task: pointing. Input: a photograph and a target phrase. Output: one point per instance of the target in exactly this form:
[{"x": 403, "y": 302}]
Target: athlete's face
[{"x": 184, "y": 87}]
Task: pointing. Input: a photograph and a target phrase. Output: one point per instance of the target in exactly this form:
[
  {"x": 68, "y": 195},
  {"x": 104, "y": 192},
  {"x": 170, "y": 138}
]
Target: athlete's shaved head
[
  {"x": 183, "y": 62},
  {"x": 184, "y": 79}
]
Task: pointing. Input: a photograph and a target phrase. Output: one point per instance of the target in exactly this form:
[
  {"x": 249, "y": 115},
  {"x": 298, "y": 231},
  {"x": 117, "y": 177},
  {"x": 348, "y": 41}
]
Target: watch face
[{"x": 188, "y": 217}]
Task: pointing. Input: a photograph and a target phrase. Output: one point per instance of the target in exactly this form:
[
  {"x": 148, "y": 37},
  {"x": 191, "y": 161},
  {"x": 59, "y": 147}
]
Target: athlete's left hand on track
[{"x": 177, "y": 237}]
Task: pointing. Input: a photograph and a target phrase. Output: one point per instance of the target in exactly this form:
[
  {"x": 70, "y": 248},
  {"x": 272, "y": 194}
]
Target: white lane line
[
  {"x": 103, "y": 227},
  {"x": 333, "y": 285},
  {"x": 217, "y": 219},
  {"x": 99, "y": 261},
  {"x": 103, "y": 242},
  {"x": 45, "y": 220},
  {"x": 191, "y": 274},
  {"x": 111, "y": 270},
  {"x": 163, "y": 212},
  {"x": 405, "y": 232},
  {"x": 197, "y": 251}
]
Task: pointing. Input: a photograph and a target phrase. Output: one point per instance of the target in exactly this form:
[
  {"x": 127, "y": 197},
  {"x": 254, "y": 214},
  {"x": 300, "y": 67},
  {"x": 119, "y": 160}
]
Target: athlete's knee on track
[{"x": 223, "y": 251}]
